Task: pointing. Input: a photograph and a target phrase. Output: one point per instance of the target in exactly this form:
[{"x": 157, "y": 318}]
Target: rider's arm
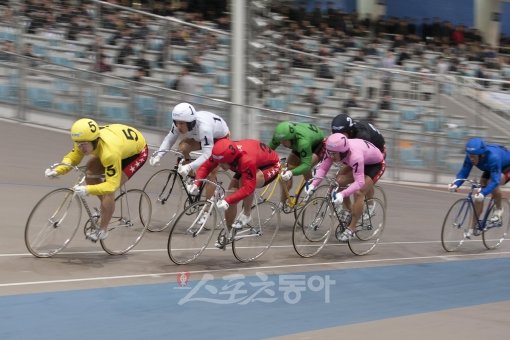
[
  {"x": 74, "y": 157},
  {"x": 304, "y": 150},
  {"x": 113, "y": 174},
  {"x": 495, "y": 177},
  {"x": 274, "y": 143},
  {"x": 205, "y": 169},
  {"x": 248, "y": 183},
  {"x": 464, "y": 171},
  {"x": 206, "y": 143},
  {"x": 357, "y": 165},
  {"x": 322, "y": 170},
  {"x": 169, "y": 140}
]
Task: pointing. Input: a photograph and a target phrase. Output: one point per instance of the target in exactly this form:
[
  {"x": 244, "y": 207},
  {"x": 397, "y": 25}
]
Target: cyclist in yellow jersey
[{"x": 115, "y": 150}]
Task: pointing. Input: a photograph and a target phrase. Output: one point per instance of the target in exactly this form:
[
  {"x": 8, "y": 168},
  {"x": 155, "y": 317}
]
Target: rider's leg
[
  {"x": 231, "y": 212},
  {"x": 107, "y": 206},
  {"x": 359, "y": 200},
  {"x": 344, "y": 178}
]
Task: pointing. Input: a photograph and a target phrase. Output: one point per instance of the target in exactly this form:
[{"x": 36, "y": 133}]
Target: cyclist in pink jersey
[{"x": 367, "y": 164}]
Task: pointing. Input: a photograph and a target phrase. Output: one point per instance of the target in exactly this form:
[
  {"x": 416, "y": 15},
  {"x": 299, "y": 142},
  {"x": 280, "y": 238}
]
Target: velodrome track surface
[{"x": 408, "y": 288}]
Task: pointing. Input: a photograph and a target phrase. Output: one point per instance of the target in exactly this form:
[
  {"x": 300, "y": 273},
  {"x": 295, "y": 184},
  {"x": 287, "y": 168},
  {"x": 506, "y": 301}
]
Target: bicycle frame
[
  {"x": 469, "y": 202},
  {"x": 180, "y": 159},
  {"x": 269, "y": 190},
  {"x": 233, "y": 234}
]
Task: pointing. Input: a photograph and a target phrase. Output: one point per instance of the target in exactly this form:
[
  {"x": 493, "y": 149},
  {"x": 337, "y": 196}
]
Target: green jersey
[{"x": 306, "y": 138}]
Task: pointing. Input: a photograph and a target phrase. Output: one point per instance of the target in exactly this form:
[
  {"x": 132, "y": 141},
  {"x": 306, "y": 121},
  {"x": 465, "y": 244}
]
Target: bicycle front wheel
[
  {"x": 129, "y": 222},
  {"x": 191, "y": 232},
  {"x": 53, "y": 223},
  {"x": 370, "y": 227},
  {"x": 321, "y": 191},
  {"x": 312, "y": 227},
  {"x": 252, "y": 241},
  {"x": 456, "y": 225},
  {"x": 497, "y": 231},
  {"x": 166, "y": 194}
]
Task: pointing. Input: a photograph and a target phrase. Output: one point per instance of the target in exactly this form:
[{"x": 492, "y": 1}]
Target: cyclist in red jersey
[{"x": 255, "y": 165}]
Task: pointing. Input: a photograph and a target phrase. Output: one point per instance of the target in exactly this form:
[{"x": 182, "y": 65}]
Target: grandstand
[{"x": 121, "y": 64}]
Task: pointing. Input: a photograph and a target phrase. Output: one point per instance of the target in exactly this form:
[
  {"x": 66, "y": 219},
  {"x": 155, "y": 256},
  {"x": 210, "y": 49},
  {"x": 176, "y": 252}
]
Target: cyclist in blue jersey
[{"x": 494, "y": 161}]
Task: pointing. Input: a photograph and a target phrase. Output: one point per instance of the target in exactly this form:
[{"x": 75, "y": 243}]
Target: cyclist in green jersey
[{"x": 307, "y": 144}]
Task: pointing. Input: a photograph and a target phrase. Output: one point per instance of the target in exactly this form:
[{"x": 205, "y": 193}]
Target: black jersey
[{"x": 367, "y": 131}]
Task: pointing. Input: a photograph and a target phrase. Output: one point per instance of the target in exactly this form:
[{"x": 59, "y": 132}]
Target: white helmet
[{"x": 184, "y": 112}]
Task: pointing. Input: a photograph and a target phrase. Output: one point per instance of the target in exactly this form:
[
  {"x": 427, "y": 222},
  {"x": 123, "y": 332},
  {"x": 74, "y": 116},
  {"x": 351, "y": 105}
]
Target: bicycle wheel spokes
[
  {"x": 254, "y": 240},
  {"x": 129, "y": 222},
  {"x": 53, "y": 223},
  {"x": 497, "y": 231},
  {"x": 456, "y": 225},
  {"x": 191, "y": 232},
  {"x": 370, "y": 227},
  {"x": 166, "y": 194},
  {"x": 312, "y": 227},
  {"x": 380, "y": 194}
]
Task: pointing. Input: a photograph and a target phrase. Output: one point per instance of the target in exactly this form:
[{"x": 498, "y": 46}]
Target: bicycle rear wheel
[
  {"x": 380, "y": 194},
  {"x": 53, "y": 223},
  {"x": 166, "y": 194},
  {"x": 191, "y": 232},
  {"x": 370, "y": 227},
  {"x": 312, "y": 227},
  {"x": 252, "y": 241},
  {"x": 497, "y": 231},
  {"x": 456, "y": 224},
  {"x": 129, "y": 222}
]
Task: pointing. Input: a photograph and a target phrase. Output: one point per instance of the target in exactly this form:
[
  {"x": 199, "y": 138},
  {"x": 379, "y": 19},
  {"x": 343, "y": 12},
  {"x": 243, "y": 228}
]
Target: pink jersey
[{"x": 361, "y": 153}]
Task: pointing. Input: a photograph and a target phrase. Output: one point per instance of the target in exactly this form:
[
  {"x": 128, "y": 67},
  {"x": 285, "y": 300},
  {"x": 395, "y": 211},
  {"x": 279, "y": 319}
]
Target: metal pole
[{"x": 237, "y": 67}]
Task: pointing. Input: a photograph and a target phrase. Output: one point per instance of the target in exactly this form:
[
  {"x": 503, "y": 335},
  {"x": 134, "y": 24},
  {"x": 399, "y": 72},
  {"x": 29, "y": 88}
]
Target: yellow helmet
[{"x": 84, "y": 130}]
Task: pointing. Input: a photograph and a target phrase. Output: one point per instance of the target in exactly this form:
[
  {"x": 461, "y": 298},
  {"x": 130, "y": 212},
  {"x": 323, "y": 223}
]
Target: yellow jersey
[{"x": 116, "y": 142}]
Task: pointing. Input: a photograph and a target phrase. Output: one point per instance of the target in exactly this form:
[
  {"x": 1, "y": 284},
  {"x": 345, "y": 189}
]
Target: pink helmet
[{"x": 337, "y": 142}]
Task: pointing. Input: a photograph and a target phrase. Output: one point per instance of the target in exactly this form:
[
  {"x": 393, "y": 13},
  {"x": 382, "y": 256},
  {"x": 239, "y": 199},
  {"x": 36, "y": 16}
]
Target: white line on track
[
  {"x": 213, "y": 248},
  {"x": 124, "y": 277}
]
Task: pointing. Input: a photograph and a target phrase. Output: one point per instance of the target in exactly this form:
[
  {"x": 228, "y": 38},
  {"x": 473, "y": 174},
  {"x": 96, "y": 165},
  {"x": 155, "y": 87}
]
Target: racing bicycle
[
  {"x": 168, "y": 192},
  {"x": 55, "y": 219},
  {"x": 194, "y": 228},
  {"x": 462, "y": 221},
  {"x": 319, "y": 218}
]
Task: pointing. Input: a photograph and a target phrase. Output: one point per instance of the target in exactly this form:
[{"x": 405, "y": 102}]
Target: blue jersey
[{"x": 493, "y": 161}]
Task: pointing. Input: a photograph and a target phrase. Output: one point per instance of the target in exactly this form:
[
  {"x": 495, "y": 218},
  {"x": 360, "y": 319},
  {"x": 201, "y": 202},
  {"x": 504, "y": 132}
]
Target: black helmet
[{"x": 342, "y": 124}]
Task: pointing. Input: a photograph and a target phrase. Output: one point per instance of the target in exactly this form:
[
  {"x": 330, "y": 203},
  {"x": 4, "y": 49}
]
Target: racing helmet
[
  {"x": 285, "y": 131},
  {"x": 476, "y": 146},
  {"x": 342, "y": 123},
  {"x": 225, "y": 151},
  {"x": 337, "y": 142},
  {"x": 84, "y": 130},
  {"x": 185, "y": 112}
]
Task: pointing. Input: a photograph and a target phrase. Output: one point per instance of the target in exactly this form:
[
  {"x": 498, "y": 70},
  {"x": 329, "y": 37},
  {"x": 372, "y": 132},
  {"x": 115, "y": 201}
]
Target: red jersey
[{"x": 254, "y": 155}]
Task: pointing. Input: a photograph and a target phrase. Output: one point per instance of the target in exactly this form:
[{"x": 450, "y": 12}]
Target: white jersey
[{"x": 208, "y": 127}]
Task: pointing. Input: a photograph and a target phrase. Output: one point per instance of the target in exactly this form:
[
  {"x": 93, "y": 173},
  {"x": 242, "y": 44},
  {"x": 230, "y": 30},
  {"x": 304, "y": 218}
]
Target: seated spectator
[
  {"x": 186, "y": 83},
  {"x": 385, "y": 103},
  {"x": 101, "y": 64},
  {"x": 196, "y": 65},
  {"x": 144, "y": 65},
  {"x": 125, "y": 51},
  {"x": 311, "y": 97},
  {"x": 139, "y": 74},
  {"x": 351, "y": 102},
  {"x": 7, "y": 47}
]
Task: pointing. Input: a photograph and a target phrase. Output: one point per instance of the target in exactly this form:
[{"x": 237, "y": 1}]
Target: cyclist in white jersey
[{"x": 199, "y": 131}]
